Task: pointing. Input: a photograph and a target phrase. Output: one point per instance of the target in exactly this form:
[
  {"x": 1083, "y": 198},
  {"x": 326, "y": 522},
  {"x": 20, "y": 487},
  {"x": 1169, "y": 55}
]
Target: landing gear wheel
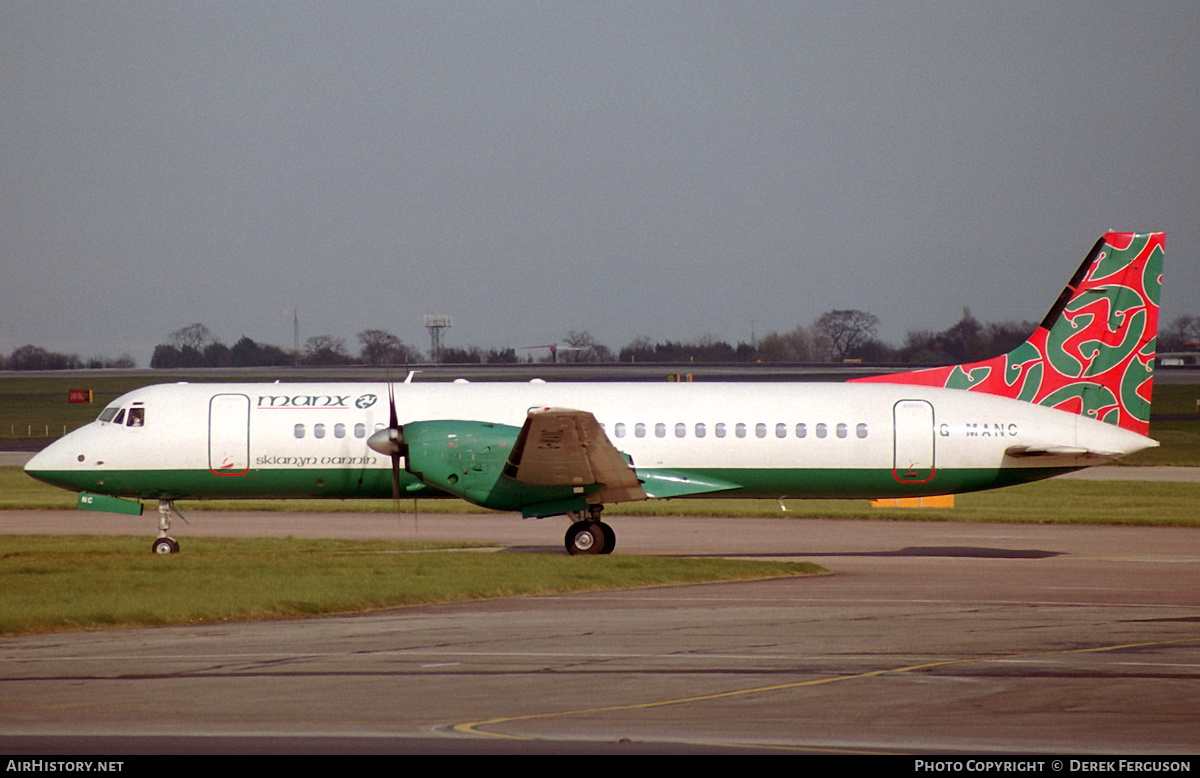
[
  {"x": 164, "y": 543},
  {"x": 590, "y": 537},
  {"x": 585, "y": 537},
  {"x": 610, "y": 537},
  {"x": 165, "y": 546}
]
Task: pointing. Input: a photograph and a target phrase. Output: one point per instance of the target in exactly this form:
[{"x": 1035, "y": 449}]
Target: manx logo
[{"x": 314, "y": 401}]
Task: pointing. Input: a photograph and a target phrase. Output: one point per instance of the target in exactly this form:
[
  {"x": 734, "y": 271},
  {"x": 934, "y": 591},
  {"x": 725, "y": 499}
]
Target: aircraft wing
[{"x": 560, "y": 446}]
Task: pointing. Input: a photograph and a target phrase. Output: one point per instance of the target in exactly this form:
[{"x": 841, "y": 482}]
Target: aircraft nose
[{"x": 54, "y": 463}]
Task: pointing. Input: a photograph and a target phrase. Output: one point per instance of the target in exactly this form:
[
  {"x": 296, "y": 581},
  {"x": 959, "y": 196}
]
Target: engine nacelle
[{"x": 467, "y": 459}]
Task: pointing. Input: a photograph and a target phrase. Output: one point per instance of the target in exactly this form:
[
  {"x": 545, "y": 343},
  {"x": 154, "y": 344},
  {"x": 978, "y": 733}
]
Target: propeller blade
[
  {"x": 394, "y": 438},
  {"x": 396, "y": 481},
  {"x": 389, "y": 441}
]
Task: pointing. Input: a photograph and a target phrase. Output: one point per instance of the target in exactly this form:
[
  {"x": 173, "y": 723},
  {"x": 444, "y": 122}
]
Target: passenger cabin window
[
  {"x": 360, "y": 430},
  {"x": 299, "y": 431},
  {"x": 318, "y": 430},
  {"x": 339, "y": 430},
  {"x": 699, "y": 429}
]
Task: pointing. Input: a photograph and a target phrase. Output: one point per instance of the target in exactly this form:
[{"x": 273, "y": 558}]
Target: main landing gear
[
  {"x": 164, "y": 543},
  {"x": 588, "y": 534}
]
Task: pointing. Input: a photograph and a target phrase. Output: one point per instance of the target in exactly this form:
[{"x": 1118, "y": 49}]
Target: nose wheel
[
  {"x": 164, "y": 543},
  {"x": 165, "y": 546}
]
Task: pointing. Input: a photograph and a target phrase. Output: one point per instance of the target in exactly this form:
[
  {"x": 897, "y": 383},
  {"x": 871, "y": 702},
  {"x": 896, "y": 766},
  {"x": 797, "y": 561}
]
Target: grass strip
[
  {"x": 1054, "y": 501},
  {"x": 90, "y": 582},
  {"x": 1059, "y": 501}
]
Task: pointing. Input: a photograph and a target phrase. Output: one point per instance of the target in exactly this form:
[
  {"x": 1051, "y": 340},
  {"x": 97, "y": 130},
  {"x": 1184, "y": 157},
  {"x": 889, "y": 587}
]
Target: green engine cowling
[{"x": 467, "y": 459}]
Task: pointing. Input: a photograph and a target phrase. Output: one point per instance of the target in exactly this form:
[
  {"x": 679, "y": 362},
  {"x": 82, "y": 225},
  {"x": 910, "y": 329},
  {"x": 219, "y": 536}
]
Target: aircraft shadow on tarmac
[{"x": 960, "y": 552}]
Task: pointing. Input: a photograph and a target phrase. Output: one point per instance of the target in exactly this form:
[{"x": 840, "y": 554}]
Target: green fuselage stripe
[{"x": 336, "y": 483}]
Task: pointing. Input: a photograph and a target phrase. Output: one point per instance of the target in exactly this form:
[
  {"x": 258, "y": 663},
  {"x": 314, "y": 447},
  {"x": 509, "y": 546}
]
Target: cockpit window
[
  {"x": 108, "y": 413},
  {"x": 137, "y": 417},
  {"x": 120, "y": 418}
]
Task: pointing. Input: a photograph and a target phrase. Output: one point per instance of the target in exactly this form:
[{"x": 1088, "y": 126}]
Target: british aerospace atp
[{"x": 1075, "y": 394}]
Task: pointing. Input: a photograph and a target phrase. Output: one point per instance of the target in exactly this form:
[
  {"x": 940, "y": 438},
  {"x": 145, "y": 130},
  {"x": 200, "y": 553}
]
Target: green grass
[
  {"x": 1179, "y": 445},
  {"x": 1064, "y": 501},
  {"x": 19, "y": 491},
  {"x": 37, "y": 408},
  {"x": 87, "y": 582},
  {"x": 1179, "y": 437},
  {"x": 1174, "y": 400},
  {"x": 64, "y": 582},
  {"x": 1055, "y": 501}
]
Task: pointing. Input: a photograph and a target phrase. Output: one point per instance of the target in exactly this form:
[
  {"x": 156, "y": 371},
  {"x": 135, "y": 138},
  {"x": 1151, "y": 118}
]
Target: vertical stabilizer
[{"x": 1093, "y": 354}]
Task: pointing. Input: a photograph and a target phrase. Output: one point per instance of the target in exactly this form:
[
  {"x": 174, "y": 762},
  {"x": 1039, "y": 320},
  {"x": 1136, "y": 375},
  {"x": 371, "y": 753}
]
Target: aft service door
[
  {"x": 914, "y": 453},
  {"x": 229, "y": 434}
]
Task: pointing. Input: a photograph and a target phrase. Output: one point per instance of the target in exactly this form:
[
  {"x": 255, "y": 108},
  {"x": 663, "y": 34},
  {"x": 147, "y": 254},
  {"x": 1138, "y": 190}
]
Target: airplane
[{"x": 1075, "y": 394}]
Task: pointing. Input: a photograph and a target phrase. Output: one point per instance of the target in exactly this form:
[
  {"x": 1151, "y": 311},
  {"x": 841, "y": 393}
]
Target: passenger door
[
  {"x": 229, "y": 434},
  {"x": 913, "y": 462}
]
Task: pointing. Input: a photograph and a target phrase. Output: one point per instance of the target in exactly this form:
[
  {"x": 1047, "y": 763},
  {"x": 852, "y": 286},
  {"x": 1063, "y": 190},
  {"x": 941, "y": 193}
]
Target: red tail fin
[{"x": 1093, "y": 354}]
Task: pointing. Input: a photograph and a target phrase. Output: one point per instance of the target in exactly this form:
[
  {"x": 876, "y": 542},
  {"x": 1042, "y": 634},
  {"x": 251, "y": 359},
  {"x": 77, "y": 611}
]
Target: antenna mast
[{"x": 435, "y": 324}]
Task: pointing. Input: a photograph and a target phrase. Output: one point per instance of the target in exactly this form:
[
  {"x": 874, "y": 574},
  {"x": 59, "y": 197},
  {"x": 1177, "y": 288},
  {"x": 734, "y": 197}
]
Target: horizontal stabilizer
[{"x": 1027, "y": 452}]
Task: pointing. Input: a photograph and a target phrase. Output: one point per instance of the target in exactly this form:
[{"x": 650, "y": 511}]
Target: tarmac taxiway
[{"x": 927, "y": 637}]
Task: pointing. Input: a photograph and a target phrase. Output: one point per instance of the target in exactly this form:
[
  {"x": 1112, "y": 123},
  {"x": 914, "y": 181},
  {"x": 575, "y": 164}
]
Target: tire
[
  {"x": 165, "y": 546},
  {"x": 610, "y": 538},
  {"x": 585, "y": 537}
]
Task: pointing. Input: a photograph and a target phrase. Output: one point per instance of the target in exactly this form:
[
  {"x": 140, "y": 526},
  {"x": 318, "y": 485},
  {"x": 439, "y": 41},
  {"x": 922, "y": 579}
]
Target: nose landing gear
[
  {"x": 165, "y": 546},
  {"x": 164, "y": 543}
]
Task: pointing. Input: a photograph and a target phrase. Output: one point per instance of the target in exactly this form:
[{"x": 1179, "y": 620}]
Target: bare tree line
[
  {"x": 30, "y": 357},
  {"x": 835, "y": 336}
]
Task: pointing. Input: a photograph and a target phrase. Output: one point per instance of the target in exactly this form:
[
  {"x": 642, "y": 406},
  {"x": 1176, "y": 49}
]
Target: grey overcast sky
[{"x": 528, "y": 168}]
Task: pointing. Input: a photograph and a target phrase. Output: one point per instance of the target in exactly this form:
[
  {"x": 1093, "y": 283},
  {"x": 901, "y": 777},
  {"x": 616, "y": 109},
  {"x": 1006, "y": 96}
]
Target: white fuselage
[{"x": 214, "y": 440}]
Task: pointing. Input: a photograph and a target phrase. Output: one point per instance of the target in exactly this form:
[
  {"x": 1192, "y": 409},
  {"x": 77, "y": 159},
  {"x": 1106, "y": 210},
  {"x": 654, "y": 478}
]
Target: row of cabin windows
[
  {"x": 700, "y": 430},
  {"x": 741, "y": 430},
  {"x": 339, "y": 430}
]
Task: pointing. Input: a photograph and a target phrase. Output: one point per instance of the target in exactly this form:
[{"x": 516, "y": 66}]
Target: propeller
[{"x": 389, "y": 441}]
